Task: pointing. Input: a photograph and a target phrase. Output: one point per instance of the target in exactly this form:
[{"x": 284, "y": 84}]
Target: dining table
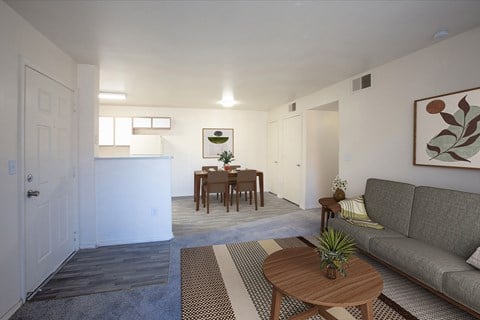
[{"x": 198, "y": 175}]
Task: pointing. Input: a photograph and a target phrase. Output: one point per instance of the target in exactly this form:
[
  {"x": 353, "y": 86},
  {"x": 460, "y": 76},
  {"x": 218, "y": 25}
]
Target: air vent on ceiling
[
  {"x": 292, "y": 107},
  {"x": 362, "y": 82}
]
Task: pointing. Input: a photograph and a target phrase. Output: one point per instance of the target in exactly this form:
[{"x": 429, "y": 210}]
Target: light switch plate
[{"x": 12, "y": 167}]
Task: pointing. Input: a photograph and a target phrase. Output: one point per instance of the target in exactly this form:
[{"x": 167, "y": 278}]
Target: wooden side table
[
  {"x": 296, "y": 272},
  {"x": 329, "y": 207}
]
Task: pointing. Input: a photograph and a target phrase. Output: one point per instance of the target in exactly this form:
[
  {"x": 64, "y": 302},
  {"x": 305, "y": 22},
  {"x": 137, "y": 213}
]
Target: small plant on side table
[{"x": 335, "y": 249}]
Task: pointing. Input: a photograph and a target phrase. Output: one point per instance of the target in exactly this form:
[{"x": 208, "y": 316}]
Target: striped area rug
[{"x": 227, "y": 282}]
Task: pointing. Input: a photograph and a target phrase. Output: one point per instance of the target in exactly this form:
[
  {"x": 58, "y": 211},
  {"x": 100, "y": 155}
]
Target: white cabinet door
[{"x": 292, "y": 156}]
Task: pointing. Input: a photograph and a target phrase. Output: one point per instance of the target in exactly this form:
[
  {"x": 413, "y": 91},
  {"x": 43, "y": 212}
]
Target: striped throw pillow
[
  {"x": 474, "y": 259},
  {"x": 354, "y": 212}
]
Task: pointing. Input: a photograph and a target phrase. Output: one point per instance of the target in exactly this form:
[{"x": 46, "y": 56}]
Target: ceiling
[{"x": 266, "y": 53}]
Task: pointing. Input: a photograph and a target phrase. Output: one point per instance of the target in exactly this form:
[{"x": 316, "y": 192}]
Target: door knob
[
  {"x": 33, "y": 193},
  {"x": 298, "y": 165}
]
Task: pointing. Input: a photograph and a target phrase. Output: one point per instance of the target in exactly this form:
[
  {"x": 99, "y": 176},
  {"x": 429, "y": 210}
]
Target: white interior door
[
  {"x": 273, "y": 158},
  {"x": 49, "y": 211},
  {"x": 292, "y": 156}
]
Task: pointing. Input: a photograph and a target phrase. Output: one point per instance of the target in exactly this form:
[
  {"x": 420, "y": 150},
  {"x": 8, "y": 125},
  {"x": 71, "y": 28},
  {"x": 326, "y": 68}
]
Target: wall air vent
[
  {"x": 362, "y": 82},
  {"x": 292, "y": 107}
]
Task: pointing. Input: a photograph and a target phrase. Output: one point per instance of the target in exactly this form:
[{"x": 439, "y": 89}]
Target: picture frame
[
  {"x": 217, "y": 140},
  {"x": 447, "y": 130}
]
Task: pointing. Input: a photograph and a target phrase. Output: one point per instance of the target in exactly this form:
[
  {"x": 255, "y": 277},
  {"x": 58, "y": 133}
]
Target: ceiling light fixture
[
  {"x": 440, "y": 34},
  {"x": 112, "y": 96},
  {"x": 227, "y": 102}
]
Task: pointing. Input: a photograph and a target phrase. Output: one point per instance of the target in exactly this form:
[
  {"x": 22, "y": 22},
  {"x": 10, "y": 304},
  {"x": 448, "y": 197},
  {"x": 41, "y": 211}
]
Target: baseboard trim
[
  {"x": 113, "y": 242},
  {"x": 296, "y": 204},
  {"x": 12, "y": 310},
  {"x": 88, "y": 245}
]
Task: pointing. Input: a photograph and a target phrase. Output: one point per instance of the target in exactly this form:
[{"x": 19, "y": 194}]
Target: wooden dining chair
[
  {"x": 204, "y": 181},
  {"x": 246, "y": 182},
  {"x": 217, "y": 182},
  {"x": 233, "y": 180}
]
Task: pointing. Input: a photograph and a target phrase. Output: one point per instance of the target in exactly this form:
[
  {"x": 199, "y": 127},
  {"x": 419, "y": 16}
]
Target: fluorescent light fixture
[{"x": 112, "y": 96}]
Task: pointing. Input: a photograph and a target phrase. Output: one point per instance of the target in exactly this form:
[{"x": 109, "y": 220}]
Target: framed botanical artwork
[
  {"x": 447, "y": 130},
  {"x": 215, "y": 141}
]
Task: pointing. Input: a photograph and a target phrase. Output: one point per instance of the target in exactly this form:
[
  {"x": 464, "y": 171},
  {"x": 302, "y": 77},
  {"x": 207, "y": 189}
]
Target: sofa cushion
[
  {"x": 420, "y": 260},
  {"x": 446, "y": 219},
  {"x": 389, "y": 203},
  {"x": 353, "y": 210},
  {"x": 464, "y": 286},
  {"x": 361, "y": 235}
]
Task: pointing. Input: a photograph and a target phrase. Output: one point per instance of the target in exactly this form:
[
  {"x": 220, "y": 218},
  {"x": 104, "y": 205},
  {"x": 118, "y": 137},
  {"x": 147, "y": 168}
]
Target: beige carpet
[{"x": 187, "y": 221}]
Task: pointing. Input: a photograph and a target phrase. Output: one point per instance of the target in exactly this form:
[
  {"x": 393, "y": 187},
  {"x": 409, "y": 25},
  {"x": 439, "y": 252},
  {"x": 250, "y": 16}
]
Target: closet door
[
  {"x": 292, "y": 158},
  {"x": 274, "y": 174}
]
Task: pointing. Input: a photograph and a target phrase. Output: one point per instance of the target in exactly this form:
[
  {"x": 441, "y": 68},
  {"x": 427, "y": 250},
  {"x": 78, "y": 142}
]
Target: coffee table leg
[
  {"x": 367, "y": 310},
  {"x": 323, "y": 312},
  {"x": 276, "y": 304}
]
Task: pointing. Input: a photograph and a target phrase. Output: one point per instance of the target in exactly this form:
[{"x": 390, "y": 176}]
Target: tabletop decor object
[
  {"x": 335, "y": 249},
  {"x": 339, "y": 187},
  {"x": 226, "y": 157},
  {"x": 215, "y": 141},
  {"x": 447, "y": 130}
]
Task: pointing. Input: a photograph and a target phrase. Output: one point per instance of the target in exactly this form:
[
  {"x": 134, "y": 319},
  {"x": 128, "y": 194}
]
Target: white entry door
[
  {"x": 292, "y": 156},
  {"x": 274, "y": 174},
  {"x": 49, "y": 188}
]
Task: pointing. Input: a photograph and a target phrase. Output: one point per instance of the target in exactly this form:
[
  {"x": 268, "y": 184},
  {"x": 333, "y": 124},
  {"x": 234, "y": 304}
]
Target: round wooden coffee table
[{"x": 296, "y": 272}]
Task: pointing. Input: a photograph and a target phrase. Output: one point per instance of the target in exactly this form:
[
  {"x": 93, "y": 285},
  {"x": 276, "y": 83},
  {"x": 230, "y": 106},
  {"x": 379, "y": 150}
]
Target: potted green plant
[
  {"x": 335, "y": 249},
  {"x": 226, "y": 157}
]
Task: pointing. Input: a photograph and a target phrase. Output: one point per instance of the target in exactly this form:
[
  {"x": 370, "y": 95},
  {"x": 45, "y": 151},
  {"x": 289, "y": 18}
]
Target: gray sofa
[{"x": 429, "y": 234}]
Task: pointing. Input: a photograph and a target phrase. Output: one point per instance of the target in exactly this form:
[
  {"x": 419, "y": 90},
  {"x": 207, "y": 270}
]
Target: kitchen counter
[{"x": 133, "y": 199}]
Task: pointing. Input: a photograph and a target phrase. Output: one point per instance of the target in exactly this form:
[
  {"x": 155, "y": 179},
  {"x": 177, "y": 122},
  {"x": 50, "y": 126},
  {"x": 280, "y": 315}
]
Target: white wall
[
  {"x": 376, "y": 124},
  {"x": 88, "y": 78},
  {"x": 133, "y": 200},
  {"x": 321, "y": 154},
  {"x": 18, "y": 39},
  {"x": 184, "y": 140}
]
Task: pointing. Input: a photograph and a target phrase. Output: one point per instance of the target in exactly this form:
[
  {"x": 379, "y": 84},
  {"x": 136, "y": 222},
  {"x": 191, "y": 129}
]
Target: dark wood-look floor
[
  {"x": 123, "y": 267},
  {"x": 109, "y": 268}
]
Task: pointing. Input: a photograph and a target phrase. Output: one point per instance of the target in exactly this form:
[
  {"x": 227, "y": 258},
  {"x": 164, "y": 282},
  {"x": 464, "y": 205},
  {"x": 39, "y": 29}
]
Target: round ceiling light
[{"x": 228, "y": 102}]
